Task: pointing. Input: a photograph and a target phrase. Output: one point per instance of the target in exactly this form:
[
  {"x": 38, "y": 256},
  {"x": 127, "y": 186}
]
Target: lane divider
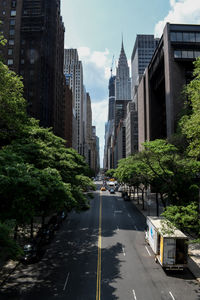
[
  {"x": 134, "y": 295},
  {"x": 98, "y": 288},
  {"x": 66, "y": 281},
  {"x": 171, "y": 295}
]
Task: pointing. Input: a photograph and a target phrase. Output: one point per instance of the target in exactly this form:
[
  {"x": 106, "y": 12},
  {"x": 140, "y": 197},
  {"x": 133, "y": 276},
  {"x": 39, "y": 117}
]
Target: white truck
[{"x": 168, "y": 243}]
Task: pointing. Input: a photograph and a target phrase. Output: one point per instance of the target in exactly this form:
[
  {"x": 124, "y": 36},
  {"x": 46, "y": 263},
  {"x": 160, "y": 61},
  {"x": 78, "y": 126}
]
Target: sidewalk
[
  {"x": 194, "y": 249},
  {"x": 6, "y": 270}
]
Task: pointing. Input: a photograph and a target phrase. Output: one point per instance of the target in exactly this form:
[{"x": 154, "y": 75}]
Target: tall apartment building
[
  {"x": 74, "y": 71},
  {"x": 160, "y": 98},
  {"x": 70, "y": 122},
  {"x": 143, "y": 50},
  {"x": 111, "y": 100},
  {"x": 131, "y": 129},
  {"x": 122, "y": 81},
  {"x": 35, "y": 34}
]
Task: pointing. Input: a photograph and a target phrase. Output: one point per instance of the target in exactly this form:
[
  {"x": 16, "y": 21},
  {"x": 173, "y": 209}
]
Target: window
[
  {"x": 186, "y": 37},
  {"x": 13, "y": 13},
  {"x": 13, "y": 3},
  {"x": 191, "y": 37},
  {"x": 12, "y": 32},
  {"x": 11, "y": 42},
  {"x": 197, "y": 54},
  {"x": 12, "y": 22},
  {"x": 190, "y": 54},
  {"x": 177, "y": 54},
  {"x": 10, "y": 62},
  {"x": 22, "y": 61},
  {"x": 197, "y": 37},
  {"x": 173, "y": 36},
  {"x": 10, "y": 51},
  {"x": 184, "y": 54},
  {"x": 179, "y": 36}
]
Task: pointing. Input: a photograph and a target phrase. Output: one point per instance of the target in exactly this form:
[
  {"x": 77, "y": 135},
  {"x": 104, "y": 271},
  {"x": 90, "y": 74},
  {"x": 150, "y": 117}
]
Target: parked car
[
  {"x": 112, "y": 191},
  {"x": 32, "y": 253}
]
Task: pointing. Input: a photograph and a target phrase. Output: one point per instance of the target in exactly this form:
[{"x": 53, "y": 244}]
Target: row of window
[
  {"x": 185, "y": 37},
  {"x": 13, "y": 3},
  {"x": 186, "y": 54},
  {"x": 12, "y": 13}
]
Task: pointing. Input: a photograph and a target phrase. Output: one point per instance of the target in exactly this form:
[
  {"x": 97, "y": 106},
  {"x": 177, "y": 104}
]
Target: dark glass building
[{"x": 35, "y": 49}]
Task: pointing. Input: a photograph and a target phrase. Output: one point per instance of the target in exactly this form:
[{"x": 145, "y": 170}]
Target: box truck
[{"x": 168, "y": 243}]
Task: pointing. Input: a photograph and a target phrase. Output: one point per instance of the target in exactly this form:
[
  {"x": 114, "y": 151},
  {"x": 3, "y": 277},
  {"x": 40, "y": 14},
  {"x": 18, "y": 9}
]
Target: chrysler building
[{"x": 122, "y": 81}]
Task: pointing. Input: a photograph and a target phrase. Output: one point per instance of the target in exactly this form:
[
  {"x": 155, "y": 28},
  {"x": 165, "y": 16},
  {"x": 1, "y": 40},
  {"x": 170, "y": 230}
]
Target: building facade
[
  {"x": 35, "y": 34},
  {"x": 74, "y": 71},
  {"x": 131, "y": 129},
  {"x": 160, "y": 98},
  {"x": 143, "y": 50}
]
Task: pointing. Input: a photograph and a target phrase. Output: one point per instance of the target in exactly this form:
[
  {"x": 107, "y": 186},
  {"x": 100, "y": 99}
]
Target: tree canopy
[{"x": 190, "y": 123}]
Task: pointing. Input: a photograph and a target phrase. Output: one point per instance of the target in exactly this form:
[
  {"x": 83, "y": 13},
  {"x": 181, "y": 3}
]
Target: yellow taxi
[{"x": 103, "y": 188}]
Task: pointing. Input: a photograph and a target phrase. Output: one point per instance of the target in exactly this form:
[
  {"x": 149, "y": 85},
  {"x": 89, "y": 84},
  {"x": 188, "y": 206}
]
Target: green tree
[
  {"x": 110, "y": 172},
  {"x": 13, "y": 114},
  {"x": 9, "y": 249},
  {"x": 190, "y": 123},
  {"x": 186, "y": 218}
]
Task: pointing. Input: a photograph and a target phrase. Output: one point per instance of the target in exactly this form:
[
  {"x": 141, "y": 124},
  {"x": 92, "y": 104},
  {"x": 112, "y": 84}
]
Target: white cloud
[
  {"x": 182, "y": 11},
  {"x": 95, "y": 70},
  {"x": 84, "y": 52}
]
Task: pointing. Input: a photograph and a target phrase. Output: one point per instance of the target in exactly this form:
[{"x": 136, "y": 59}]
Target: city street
[{"x": 100, "y": 254}]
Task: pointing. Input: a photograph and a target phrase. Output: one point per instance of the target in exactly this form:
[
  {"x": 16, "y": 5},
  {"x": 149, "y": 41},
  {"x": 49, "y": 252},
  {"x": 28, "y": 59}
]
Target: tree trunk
[
  {"x": 163, "y": 201},
  {"x": 31, "y": 228},
  {"x": 157, "y": 205},
  {"x": 138, "y": 200},
  {"x": 43, "y": 220},
  {"x": 142, "y": 199},
  {"x": 15, "y": 232}
]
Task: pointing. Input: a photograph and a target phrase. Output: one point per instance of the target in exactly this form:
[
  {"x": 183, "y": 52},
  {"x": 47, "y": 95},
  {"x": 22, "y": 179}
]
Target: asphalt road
[{"x": 100, "y": 254}]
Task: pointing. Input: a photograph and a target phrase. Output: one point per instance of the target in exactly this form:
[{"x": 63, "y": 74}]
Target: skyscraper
[
  {"x": 74, "y": 71},
  {"x": 122, "y": 81},
  {"x": 111, "y": 104},
  {"x": 143, "y": 50},
  {"x": 35, "y": 34}
]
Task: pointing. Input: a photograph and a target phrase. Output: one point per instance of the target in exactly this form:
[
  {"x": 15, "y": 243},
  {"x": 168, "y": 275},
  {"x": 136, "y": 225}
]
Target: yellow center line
[{"x": 98, "y": 289}]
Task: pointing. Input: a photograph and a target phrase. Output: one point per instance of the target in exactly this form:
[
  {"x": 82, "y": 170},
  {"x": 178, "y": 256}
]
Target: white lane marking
[
  {"x": 117, "y": 228},
  {"x": 66, "y": 281},
  {"x": 123, "y": 251},
  {"x": 129, "y": 216},
  {"x": 134, "y": 295},
  {"x": 136, "y": 227},
  {"x": 171, "y": 295},
  {"x": 148, "y": 251}
]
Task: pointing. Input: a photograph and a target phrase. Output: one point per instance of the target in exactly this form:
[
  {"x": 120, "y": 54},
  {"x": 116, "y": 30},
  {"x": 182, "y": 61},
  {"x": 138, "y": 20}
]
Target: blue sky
[{"x": 95, "y": 28}]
